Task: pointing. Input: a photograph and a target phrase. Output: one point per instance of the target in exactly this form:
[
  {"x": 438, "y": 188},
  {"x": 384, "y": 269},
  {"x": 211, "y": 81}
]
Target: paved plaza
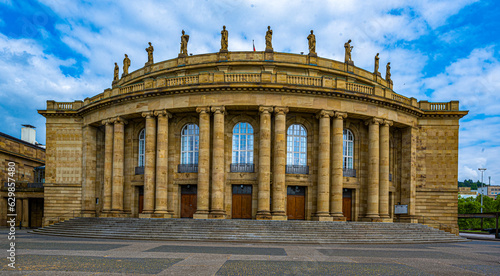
[{"x": 50, "y": 255}]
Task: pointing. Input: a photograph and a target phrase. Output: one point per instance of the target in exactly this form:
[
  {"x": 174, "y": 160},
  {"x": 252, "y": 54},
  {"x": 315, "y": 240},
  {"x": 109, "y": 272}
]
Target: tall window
[
  {"x": 243, "y": 144},
  {"x": 348, "y": 149},
  {"x": 296, "y": 145},
  {"x": 190, "y": 140},
  {"x": 142, "y": 145}
]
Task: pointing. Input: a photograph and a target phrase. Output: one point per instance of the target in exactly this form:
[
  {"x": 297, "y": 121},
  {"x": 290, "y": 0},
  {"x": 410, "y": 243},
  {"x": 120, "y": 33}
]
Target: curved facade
[{"x": 258, "y": 135}]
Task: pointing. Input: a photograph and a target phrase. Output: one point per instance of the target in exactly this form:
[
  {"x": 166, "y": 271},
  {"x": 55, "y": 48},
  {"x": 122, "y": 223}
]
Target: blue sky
[{"x": 439, "y": 51}]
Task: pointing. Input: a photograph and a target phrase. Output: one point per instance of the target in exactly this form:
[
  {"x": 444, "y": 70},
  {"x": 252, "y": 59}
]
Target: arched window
[
  {"x": 296, "y": 145},
  {"x": 142, "y": 145},
  {"x": 242, "y": 160},
  {"x": 190, "y": 140},
  {"x": 348, "y": 149}
]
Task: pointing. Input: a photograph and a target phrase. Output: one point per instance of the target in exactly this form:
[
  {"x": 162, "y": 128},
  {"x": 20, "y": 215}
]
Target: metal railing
[
  {"x": 187, "y": 168},
  {"x": 242, "y": 167},
  {"x": 349, "y": 172},
  {"x": 297, "y": 169},
  {"x": 139, "y": 170}
]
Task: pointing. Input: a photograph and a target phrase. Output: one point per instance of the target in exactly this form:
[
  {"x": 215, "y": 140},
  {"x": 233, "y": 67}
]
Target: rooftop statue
[
  {"x": 312, "y": 43},
  {"x": 376, "y": 64},
  {"x": 348, "y": 50},
  {"x": 117, "y": 72},
  {"x": 126, "y": 65},
  {"x": 150, "y": 50},
  {"x": 223, "y": 39},
  {"x": 388, "y": 72},
  {"x": 269, "y": 38},
  {"x": 184, "y": 44}
]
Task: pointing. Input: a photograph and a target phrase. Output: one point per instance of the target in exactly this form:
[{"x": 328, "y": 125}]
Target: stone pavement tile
[
  {"x": 389, "y": 253},
  {"x": 198, "y": 264},
  {"x": 220, "y": 250},
  {"x": 313, "y": 268},
  {"x": 68, "y": 246},
  {"x": 89, "y": 264},
  {"x": 493, "y": 270},
  {"x": 436, "y": 266}
]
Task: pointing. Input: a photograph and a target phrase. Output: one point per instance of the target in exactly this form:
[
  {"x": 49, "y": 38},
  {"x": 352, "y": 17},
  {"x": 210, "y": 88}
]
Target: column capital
[
  {"x": 162, "y": 112},
  {"x": 148, "y": 114},
  {"x": 203, "y": 109},
  {"x": 340, "y": 115},
  {"x": 325, "y": 114},
  {"x": 374, "y": 120},
  {"x": 218, "y": 109},
  {"x": 387, "y": 123},
  {"x": 119, "y": 120},
  {"x": 265, "y": 109},
  {"x": 107, "y": 121},
  {"x": 281, "y": 110}
]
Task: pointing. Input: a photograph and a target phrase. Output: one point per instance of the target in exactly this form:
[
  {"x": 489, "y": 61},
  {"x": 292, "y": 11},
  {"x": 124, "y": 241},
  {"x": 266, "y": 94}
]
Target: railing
[
  {"x": 297, "y": 169},
  {"x": 400, "y": 98},
  {"x": 359, "y": 88},
  {"x": 349, "y": 172},
  {"x": 139, "y": 170},
  {"x": 242, "y": 77},
  {"x": 242, "y": 167},
  {"x": 96, "y": 98},
  {"x": 187, "y": 168},
  {"x": 132, "y": 88},
  {"x": 185, "y": 80},
  {"x": 438, "y": 106},
  {"x": 303, "y": 80},
  {"x": 65, "y": 106}
]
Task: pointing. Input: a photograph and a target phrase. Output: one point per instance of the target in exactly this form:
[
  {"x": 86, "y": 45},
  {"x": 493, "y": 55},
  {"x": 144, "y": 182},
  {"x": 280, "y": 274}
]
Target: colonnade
[{"x": 211, "y": 205}]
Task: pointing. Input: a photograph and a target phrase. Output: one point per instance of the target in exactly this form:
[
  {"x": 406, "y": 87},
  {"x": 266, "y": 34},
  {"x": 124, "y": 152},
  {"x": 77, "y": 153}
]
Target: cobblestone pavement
[{"x": 49, "y": 255}]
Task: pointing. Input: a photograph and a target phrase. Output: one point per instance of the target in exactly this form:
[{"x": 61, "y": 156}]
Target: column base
[
  {"x": 217, "y": 214},
  {"x": 201, "y": 215},
  {"x": 387, "y": 219},
  {"x": 263, "y": 215},
  {"x": 374, "y": 219},
  {"x": 114, "y": 215},
  {"x": 162, "y": 214},
  {"x": 279, "y": 217},
  {"x": 339, "y": 218},
  {"x": 322, "y": 218}
]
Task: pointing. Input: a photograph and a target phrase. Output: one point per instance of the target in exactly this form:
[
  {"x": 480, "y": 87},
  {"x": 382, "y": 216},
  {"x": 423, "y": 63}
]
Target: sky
[{"x": 439, "y": 51}]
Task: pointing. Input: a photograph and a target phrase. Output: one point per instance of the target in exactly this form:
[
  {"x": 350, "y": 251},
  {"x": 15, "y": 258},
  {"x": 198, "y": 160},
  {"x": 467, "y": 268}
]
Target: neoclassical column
[
  {"x": 323, "y": 198},
  {"x": 108, "y": 164},
  {"x": 279, "y": 187},
  {"x": 149, "y": 163},
  {"x": 372, "y": 212},
  {"x": 263, "y": 208},
  {"x": 118, "y": 159},
  {"x": 384, "y": 170},
  {"x": 162, "y": 162},
  {"x": 337, "y": 177},
  {"x": 89, "y": 170},
  {"x": 203, "y": 164},
  {"x": 217, "y": 210}
]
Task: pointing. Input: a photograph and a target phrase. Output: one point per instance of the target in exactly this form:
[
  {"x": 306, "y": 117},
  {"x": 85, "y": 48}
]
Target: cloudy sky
[{"x": 439, "y": 51}]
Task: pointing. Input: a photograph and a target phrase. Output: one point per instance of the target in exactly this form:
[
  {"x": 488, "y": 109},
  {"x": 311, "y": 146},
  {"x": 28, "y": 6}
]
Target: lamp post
[{"x": 482, "y": 187}]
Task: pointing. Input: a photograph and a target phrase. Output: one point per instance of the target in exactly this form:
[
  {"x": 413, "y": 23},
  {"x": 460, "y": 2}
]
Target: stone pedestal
[
  {"x": 217, "y": 211},
  {"x": 263, "y": 208},
  {"x": 203, "y": 164},
  {"x": 279, "y": 189},
  {"x": 337, "y": 178}
]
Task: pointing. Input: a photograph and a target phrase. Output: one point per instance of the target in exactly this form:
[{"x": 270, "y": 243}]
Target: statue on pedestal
[
  {"x": 223, "y": 39},
  {"x": 269, "y": 38},
  {"x": 117, "y": 72},
  {"x": 348, "y": 50},
  {"x": 312, "y": 43},
  {"x": 376, "y": 64},
  {"x": 184, "y": 43},
  {"x": 126, "y": 65},
  {"x": 388, "y": 72},
  {"x": 150, "y": 50}
]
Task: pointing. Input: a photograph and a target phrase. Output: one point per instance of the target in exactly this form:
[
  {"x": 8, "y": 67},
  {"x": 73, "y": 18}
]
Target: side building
[
  {"x": 255, "y": 135},
  {"x": 28, "y": 159}
]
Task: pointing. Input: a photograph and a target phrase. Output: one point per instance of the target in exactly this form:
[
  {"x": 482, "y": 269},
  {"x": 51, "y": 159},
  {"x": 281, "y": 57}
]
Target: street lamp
[{"x": 482, "y": 187}]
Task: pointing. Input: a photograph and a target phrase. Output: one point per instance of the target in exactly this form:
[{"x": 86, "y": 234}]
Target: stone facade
[
  {"x": 28, "y": 190},
  {"x": 404, "y": 151}
]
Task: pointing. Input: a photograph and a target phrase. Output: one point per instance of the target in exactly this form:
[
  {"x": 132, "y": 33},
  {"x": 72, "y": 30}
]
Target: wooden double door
[
  {"x": 296, "y": 202},
  {"x": 242, "y": 202},
  {"x": 189, "y": 201},
  {"x": 347, "y": 204}
]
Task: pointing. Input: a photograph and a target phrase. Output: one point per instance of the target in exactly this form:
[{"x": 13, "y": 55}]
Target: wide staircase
[{"x": 248, "y": 231}]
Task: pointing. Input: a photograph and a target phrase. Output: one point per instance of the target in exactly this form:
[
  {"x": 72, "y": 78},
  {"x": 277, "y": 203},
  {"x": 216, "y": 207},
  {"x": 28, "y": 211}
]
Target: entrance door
[
  {"x": 141, "y": 199},
  {"x": 36, "y": 212},
  {"x": 347, "y": 204},
  {"x": 188, "y": 201},
  {"x": 242, "y": 202},
  {"x": 295, "y": 206}
]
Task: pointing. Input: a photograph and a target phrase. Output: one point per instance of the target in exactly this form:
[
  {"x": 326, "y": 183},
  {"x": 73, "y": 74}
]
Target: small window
[
  {"x": 142, "y": 147},
  {"x": 348, "y": 150}
]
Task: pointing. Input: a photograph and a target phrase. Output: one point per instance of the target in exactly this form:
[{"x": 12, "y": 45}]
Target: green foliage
[
  {"x": 469, "y": 183},
  {"x": 472, "y": 205}
]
